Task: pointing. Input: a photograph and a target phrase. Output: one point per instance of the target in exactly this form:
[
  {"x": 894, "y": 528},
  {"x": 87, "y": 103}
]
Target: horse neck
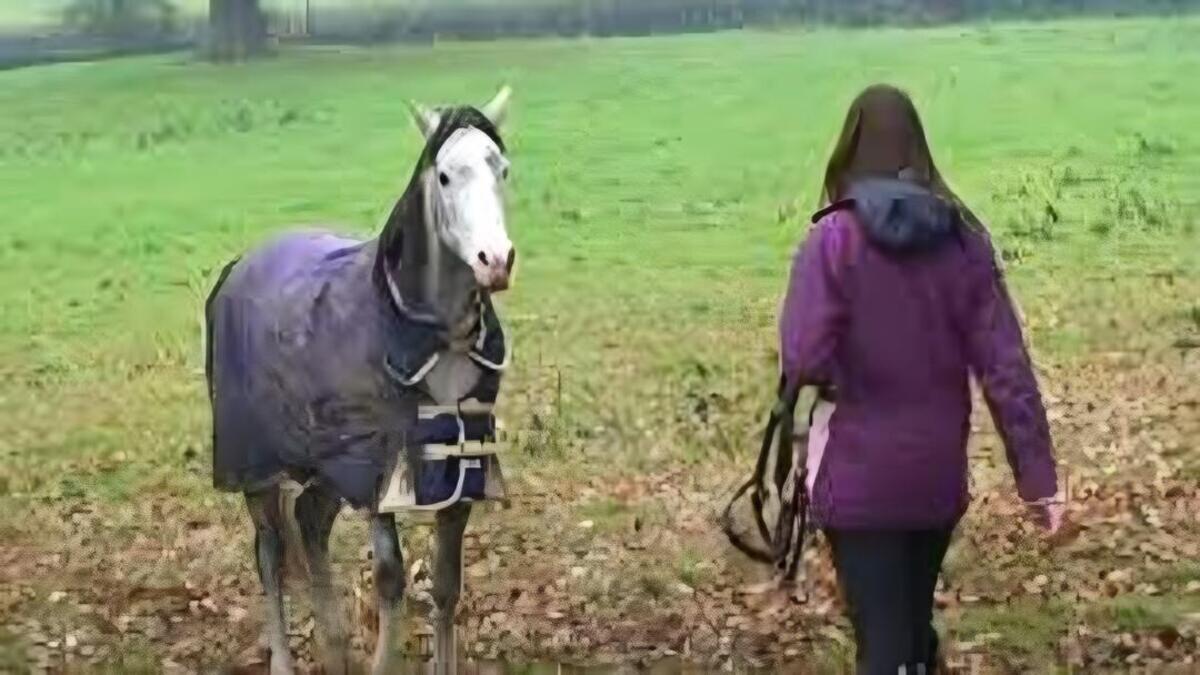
[
  {"x": 454, "y": 293},
  {"x": 433, "y": 276}
]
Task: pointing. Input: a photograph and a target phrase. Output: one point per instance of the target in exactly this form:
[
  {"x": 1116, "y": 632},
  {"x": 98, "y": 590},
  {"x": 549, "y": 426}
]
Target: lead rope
[
  {"x": 792, "y": 525},
  {"x": 784, "y": 545},
  {"x": 756, "y": 482}
]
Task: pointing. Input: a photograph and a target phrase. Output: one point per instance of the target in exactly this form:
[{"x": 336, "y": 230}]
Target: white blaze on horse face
[{"x": 468, "y": 184}]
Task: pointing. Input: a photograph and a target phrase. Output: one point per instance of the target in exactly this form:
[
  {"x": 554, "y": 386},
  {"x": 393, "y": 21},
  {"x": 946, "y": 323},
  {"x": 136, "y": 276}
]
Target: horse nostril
[
  {"x": 483, "y": 257},
  {"x": 512, "y": 258}
]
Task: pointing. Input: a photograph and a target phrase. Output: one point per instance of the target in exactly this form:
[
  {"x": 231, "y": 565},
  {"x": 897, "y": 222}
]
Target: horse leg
[
  {"x": 316, "y": 511},
  {"x": 389, "y": 585},
  {"x": 267, "y": 514},
  {"x": 447, "y": 583}
]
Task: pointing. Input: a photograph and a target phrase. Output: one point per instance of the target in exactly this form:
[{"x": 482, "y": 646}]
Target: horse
[{"x": 323, "y": 354}]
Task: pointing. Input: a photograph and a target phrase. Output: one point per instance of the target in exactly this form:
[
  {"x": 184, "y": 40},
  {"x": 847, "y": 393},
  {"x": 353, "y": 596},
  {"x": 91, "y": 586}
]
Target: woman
[{"x": 894, "y": 299}]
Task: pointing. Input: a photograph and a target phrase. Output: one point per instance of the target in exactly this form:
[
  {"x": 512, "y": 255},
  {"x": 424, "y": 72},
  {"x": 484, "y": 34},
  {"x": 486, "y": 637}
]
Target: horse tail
[
  {"x": 294, "y": 559},
  {"x": 208, "y": 323}
]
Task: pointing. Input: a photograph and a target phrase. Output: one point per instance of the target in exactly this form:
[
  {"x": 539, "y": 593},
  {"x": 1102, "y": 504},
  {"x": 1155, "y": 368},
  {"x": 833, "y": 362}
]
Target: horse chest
[{"x": 452, "y": 377}]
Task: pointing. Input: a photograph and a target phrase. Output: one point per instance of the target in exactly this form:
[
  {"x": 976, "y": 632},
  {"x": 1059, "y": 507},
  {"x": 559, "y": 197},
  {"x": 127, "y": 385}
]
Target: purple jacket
[{"x": 893, "y": 302}]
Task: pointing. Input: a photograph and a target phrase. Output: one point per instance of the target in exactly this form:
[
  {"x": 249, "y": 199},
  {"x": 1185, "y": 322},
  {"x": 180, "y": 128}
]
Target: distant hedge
[
  {"x": 99, "y": 28},
  {"x": 874, "y": 12},
  {"x": 490, "y": 20},
  {"x": 133, "y": 19},
  {"x": 483, "y": 19}
]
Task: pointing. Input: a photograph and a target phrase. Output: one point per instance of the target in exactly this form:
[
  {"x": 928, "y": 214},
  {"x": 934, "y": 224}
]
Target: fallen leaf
[{"x": 759, "y": 588}]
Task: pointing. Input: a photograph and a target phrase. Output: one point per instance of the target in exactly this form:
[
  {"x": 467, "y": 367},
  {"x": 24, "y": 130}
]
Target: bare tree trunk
[{"x": 237, "y": 29}]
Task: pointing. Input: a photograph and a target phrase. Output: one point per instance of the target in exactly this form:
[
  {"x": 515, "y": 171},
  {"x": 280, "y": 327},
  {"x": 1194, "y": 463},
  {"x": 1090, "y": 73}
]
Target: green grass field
[{"x": 659, "y": 187}]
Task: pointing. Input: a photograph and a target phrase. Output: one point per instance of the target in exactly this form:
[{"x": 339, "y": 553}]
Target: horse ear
[
  {"x": 426, "y": 119},
  {"x": 497, "y": 108}
]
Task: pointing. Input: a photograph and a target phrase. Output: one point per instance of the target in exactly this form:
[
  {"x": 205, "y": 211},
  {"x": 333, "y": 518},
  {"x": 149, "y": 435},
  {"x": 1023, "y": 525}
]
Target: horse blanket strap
[
  {"x": 458, "y": 460},
  {"x": 450, "y": 454},
  {"x": 446, "y": 425},
  {"x": 468, "y": 429},
  {"x": 783, "y": 544}
]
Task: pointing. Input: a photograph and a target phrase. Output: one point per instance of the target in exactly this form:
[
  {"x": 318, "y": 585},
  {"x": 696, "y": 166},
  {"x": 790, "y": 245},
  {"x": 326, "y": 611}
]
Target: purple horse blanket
[{"x": 314, "y": 371}]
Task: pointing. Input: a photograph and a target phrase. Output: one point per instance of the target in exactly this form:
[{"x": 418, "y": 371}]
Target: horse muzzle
[{"x": 494, "y": 271}]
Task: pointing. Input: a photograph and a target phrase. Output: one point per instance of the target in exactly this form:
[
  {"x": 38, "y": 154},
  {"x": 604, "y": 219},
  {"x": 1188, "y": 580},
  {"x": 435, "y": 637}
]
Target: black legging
[{"x": 888, "y": 578}]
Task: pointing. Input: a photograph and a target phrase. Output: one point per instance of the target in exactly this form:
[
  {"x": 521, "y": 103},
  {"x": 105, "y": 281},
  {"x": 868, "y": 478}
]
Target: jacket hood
[{"x": 903, "y": 217}]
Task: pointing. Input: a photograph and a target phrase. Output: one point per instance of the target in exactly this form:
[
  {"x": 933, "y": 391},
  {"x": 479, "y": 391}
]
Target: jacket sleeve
[
  {"x": 1002, "y": 366},
  {"x": 813, "y": 309}
]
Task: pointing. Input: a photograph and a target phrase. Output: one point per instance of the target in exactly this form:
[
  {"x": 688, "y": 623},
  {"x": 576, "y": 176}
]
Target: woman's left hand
[{"x": 1048, "y": 514}]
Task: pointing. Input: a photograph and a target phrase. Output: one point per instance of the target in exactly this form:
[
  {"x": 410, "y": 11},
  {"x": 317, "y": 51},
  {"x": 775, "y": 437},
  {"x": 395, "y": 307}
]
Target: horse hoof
[
  {"x": 337, "y": 666},
  {"x": 281, "y": 664}
]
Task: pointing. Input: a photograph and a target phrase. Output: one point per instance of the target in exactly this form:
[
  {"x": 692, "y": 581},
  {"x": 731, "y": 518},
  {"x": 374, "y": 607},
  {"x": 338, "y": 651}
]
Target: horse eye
[
  {"x": 504, "y": 173},
  {"x": 443, "y": 178}
]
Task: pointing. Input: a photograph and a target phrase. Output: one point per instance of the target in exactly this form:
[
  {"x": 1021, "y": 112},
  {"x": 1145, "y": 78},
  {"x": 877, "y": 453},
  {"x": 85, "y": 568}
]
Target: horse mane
[{"x": 410, "y": 208}]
